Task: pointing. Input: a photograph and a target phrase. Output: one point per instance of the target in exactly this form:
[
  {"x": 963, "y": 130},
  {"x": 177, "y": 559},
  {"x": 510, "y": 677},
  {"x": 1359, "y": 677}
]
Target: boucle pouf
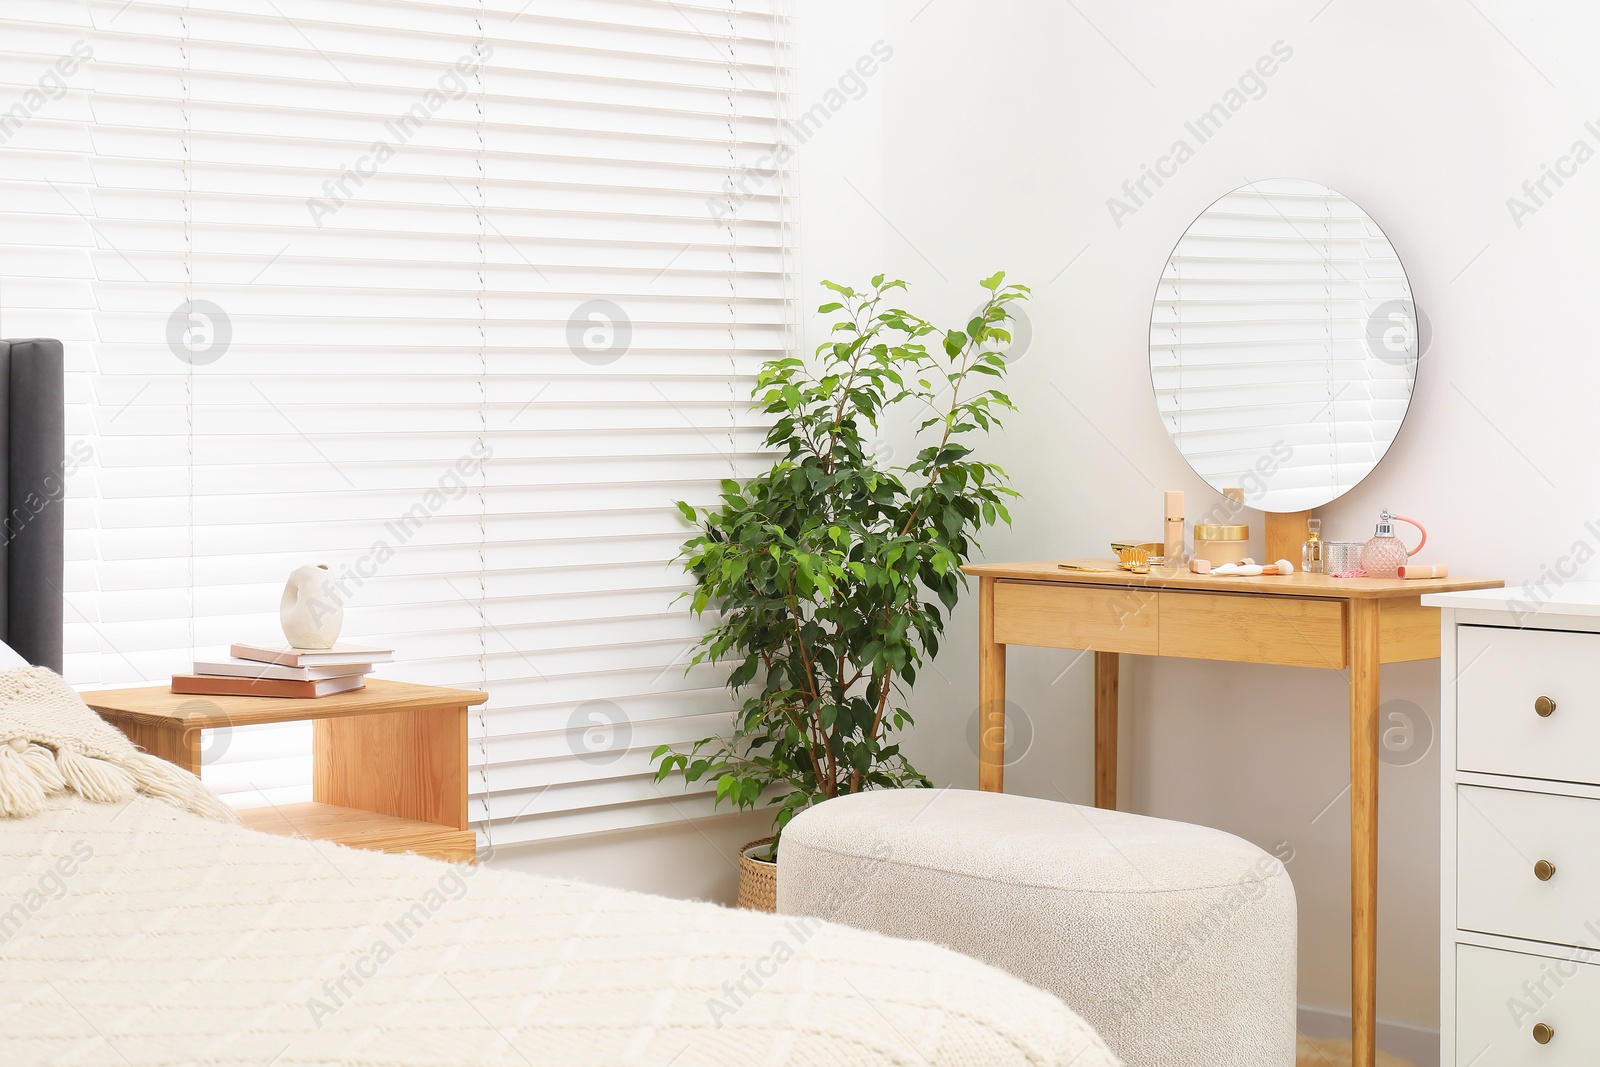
[{"x": 1175, "y": 942}]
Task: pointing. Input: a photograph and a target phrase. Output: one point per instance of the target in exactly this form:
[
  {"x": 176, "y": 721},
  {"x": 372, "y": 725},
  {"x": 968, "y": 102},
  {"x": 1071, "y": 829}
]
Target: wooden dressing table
[{"x": 1300, "y": 620}]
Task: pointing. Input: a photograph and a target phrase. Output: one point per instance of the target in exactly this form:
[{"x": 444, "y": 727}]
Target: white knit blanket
[
  {"x": 51, "y": 742},
  {"x": 135, "y": 934}
]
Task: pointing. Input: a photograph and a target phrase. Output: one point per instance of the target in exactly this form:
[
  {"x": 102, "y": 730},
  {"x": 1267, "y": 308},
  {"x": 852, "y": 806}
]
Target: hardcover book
[
  {"x": 206, "y": 685},
  {"x": 338, "y": 655},
  {"x": 248, "y": 668}
]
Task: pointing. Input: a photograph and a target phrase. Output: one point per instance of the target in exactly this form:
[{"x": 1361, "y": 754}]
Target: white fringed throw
[{"x": 50, "y": 741}]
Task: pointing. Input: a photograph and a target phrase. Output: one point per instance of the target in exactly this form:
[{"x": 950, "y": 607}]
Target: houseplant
[{"x": 832, "y": 573}]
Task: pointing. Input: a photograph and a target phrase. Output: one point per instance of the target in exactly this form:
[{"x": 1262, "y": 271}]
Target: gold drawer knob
[
  {"x": 1545, "y": 707},
  {"x": 1544, "y": 870},
  {"x": 1543, "y": 1032}
]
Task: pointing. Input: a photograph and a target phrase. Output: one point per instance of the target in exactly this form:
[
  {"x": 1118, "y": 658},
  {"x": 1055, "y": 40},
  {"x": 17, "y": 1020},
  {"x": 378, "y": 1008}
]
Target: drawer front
[
  {"x": 1253, "y": 628},
  {"x": 1502, "y": 996},
  {"x": 1407, "y": 630},
  {"x": 1501, "y": 835},
  {"x": 1502, "y": 674},
  {"x": 1056, "y": 615}
]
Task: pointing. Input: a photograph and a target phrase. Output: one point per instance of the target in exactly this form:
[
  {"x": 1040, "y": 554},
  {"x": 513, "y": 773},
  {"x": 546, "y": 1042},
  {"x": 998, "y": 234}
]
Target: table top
[
  {"x": 1297, "y": 584},
  {"x": 158, "y": 705}
]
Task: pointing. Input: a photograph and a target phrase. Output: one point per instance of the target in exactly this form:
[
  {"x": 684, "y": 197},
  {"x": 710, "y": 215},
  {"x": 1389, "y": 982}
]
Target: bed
[
  {"x": 32, "y": 483},
  {"x": 142, "y": 935},
  {"x": 140, "y": 927}
]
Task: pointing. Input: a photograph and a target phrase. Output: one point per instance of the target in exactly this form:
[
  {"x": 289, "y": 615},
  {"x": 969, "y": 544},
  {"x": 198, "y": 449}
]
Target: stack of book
[{"x": 281, "y": 671}]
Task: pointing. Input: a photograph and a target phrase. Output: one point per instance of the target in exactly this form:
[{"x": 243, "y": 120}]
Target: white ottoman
[{"x": 1175, "y": 942}]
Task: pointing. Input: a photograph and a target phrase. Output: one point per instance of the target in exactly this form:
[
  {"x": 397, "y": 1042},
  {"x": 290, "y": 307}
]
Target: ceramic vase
[{"x": 311, "y": 611}]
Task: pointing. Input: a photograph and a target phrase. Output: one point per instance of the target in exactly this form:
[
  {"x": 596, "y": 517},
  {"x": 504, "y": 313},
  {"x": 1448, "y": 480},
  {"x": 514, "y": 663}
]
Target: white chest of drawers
[{"x": 1520, "y": 848}]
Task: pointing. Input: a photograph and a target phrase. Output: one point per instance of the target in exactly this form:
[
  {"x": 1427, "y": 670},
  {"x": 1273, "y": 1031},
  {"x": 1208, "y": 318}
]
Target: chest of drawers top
[{"x": 1527, "y": 605}]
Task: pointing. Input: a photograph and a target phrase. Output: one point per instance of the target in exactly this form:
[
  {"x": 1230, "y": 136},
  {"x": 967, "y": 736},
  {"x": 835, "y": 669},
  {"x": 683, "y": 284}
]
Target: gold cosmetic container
[{"x": 1221, "y": 542}]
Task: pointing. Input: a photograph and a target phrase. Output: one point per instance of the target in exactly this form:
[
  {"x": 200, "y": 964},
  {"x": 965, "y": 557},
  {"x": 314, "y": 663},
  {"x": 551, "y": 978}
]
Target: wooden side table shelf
[
  {"x": 389, "y": 762},
  {"x": 1298, "y": 620}
]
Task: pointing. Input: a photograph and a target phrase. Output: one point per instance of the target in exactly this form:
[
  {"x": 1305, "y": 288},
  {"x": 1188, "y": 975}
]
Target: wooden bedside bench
[{"x": 389, "y": 761}]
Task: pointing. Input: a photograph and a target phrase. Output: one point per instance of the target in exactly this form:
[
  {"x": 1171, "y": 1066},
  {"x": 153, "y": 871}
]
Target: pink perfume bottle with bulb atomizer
[{"x": 1384, "y": 554}]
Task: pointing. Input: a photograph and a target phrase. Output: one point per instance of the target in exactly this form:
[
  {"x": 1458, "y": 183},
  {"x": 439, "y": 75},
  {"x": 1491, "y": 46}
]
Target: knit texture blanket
[
  {"x": 139, "y": 935},
  {"x": 52, "y": 742}
]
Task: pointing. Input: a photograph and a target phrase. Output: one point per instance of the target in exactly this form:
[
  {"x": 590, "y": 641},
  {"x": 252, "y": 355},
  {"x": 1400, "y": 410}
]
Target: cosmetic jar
[
  {"x": 1221, "y": 542},
  {"x": 1341, "y": 556}
]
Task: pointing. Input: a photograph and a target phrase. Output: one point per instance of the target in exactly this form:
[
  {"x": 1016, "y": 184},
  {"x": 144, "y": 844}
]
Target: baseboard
[{"x": 1419, "y": 1044}]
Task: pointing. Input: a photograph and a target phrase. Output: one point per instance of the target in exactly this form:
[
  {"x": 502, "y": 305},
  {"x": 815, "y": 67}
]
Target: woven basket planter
[{"x": 758, "y": 879}]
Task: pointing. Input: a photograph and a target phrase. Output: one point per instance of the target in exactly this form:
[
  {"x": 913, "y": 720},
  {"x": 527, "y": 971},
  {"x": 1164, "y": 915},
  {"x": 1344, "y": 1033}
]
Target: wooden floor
[{"x": 1336, "y": 1053}]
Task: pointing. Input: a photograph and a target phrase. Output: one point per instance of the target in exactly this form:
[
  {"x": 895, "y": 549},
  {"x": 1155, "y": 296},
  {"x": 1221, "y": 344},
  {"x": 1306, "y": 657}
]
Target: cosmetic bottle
[
  {"x": 1311, "y": 551},
  {"x": 1384, "y": 554},
  {"x": 1173, "y": 528}
]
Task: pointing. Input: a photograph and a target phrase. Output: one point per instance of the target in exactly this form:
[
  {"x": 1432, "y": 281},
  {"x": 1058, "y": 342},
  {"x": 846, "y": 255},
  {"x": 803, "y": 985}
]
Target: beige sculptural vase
[{"x": 312, "y": 611}]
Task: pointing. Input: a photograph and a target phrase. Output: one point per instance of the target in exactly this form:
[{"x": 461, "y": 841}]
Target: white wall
[
  {"x": 1005, "y": 129},
  {"x": 693, "y": 860}
]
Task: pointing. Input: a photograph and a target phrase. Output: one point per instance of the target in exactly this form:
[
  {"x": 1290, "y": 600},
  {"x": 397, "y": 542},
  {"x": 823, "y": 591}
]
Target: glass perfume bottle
[
  {"x": 1384, "y": 554},
  {"x": 1311, "y": 561}
]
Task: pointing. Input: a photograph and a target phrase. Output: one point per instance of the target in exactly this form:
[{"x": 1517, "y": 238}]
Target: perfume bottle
[
  {"x": 1384, "y": 554},
  {"x": 1311, "y": 561}
]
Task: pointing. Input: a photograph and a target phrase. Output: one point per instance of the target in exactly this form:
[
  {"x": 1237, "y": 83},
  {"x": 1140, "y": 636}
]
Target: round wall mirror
[{"x": 1283, "y": 344}]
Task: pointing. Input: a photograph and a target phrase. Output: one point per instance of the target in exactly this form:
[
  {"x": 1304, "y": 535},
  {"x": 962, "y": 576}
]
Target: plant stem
[{"x": 799, "y": 644}]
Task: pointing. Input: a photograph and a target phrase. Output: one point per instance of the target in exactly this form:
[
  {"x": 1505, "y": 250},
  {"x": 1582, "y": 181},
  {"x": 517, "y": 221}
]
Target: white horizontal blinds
[
  {"x": 1263, "y": 325},
  {"x": 253, "y": 766},
  {"x": 350, "y": 249},
  {"x": 291, "y": 172},
  {"x": 636, "y": 280},
  {"x": 47, "y": 234}
]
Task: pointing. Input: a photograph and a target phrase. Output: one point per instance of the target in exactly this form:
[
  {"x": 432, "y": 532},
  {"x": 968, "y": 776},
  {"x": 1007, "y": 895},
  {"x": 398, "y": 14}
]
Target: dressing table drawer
[
  {"x": 1503, "y": 997},
  {"x": 1053, "y": 615},
  {"x": 1253, "y": 628},
  {"x": 1532, "y": 708},
  {"x": 1526, "y": 865}
]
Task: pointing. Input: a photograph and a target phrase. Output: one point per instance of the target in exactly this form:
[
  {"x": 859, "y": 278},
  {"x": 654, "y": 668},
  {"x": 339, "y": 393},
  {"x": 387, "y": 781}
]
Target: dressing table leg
[
  {"x": 991, "y": 695},
  {"x": 1364, "y": 660},
  {"x": 1106, "y": 665}
]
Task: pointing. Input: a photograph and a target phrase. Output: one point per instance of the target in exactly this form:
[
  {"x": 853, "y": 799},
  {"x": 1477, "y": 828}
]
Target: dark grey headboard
[{"x": 32, "y": 484}]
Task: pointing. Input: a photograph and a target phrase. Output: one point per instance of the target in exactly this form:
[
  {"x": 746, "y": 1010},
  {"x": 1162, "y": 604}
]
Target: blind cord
[
  {"x": 483, "y": 425},
  {"x": 735, "y": 150},
  {"x": 185, "y": 46}
]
